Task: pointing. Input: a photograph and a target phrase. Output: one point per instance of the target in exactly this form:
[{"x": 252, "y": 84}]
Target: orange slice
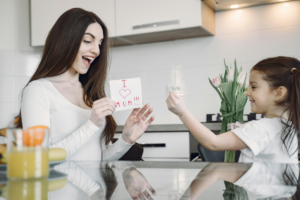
[{"x": 34, "y": 136}]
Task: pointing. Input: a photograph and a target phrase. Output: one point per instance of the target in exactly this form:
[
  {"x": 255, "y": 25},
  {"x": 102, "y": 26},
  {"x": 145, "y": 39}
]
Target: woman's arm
[
  {"x": 77, "y": 139},
  {"x": 223, "y": 142},
  {"x": 78, "y": 177},
  {"x": 135, "y": 126},
  {"x": 35, "y": 109},
  {"x": 114, "y": 151}
]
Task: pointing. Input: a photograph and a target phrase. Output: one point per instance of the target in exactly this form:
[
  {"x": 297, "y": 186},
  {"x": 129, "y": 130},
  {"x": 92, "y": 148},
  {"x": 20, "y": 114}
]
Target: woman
[{"x": 66, "y": 93}]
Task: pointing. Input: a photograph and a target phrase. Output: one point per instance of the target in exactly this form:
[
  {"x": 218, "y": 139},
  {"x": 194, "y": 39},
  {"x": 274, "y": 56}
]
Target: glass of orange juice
[
  {"x": 27, "y": 153},
  {"x": 29, "y": 189}
]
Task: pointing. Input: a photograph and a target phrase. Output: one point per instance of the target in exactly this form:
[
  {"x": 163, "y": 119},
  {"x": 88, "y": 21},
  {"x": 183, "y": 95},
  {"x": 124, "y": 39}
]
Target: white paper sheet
[{"x": 127, "y": 93}]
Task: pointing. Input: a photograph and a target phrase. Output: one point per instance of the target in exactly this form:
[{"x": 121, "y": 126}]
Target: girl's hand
[
  {"x": 102, "y": 108},
  {"x": 175, "y": 104},
  {"x": 136, "y": 124}
]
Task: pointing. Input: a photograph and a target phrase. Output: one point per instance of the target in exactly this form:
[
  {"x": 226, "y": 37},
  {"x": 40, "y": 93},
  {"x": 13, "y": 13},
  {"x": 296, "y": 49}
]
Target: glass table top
[{"x": 157, "y": 180}]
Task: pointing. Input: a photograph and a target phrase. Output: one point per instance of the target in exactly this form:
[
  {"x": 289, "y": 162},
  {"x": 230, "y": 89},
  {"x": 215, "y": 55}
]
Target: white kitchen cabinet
[
  {"x": 44, "y": 14},
  {"x": 143, "y": 21},
  {"x": 176, "y": 146},
  {"x": 132, "y": 13}
]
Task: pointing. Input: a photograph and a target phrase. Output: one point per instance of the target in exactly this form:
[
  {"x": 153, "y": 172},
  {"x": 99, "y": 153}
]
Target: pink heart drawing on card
[{"x": 125, "y": 92}]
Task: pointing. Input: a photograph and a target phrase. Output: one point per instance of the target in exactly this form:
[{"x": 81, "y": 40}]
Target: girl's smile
[
  {"x": 251, "y": 101},
  {"x": 260, "y": 95}
]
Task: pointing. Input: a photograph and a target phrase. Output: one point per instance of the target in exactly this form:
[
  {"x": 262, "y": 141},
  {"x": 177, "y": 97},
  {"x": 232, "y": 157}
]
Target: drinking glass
[
  {"x": 27, "y": 153},
  {"x": 27, "y": 189}
]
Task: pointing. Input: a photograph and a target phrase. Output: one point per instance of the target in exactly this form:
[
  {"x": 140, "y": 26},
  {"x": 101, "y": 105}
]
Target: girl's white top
[
  {"x": 70, "y": 127},
  {"x": 267, "y": 180},
  {"x": 263, "y": 137}
]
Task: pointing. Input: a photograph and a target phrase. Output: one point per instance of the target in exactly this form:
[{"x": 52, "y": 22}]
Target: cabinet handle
[
  {"x": 153, "y": 145},
  {"x": 156, "y": 24}
]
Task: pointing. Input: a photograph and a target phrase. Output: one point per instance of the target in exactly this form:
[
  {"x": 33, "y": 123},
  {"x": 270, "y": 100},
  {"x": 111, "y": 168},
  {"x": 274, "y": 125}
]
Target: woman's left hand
[
  {"x": 137, "y": 185},
  {"x": 136, "y": 124}
]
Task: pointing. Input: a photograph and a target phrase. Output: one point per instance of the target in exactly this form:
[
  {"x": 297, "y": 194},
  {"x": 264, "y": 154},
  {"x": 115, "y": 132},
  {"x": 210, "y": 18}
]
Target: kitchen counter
[{"x": 174, "y": 127}]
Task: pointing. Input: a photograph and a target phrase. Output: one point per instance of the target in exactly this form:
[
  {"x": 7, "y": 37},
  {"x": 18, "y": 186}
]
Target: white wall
[
  {"x": 249, "y": 36},
  {"x": 17, "y": 59}
]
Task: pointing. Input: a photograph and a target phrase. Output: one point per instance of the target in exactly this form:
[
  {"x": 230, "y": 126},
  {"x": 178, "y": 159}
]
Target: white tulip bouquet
[{"x": 231, "y": 88}]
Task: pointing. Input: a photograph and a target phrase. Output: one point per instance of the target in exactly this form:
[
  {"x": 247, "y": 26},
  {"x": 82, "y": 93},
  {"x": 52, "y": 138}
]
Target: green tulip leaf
[{"x": 227, "y": 90}]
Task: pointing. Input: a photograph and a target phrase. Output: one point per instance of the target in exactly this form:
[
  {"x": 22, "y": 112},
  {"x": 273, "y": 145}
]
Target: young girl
[
  {"x": 66, "y": 93},
  {"x": 274, "y": 90}
]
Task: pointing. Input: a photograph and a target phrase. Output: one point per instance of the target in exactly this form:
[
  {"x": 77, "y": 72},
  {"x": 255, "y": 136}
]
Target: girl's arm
[
  {"x": 223, "y": 142},
  {"x": 212, "y": 172}
]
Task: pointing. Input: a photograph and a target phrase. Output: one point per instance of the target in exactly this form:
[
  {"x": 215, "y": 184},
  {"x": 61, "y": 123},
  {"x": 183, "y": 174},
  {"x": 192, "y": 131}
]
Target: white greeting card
[{"x": 127, "y": 93}]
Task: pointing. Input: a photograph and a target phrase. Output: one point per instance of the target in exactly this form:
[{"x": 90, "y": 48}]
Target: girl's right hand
[
  {"x": 102, "y": 108},
  {"x": 175, "y": 104}
]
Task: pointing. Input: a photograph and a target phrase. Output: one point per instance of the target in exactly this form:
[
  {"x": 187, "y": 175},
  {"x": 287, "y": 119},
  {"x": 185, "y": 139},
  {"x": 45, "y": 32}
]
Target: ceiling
[{"x": 219, "y": 5}]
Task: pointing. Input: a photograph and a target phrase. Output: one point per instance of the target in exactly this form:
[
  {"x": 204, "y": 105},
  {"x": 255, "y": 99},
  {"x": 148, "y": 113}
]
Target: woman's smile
[{"x": 87, "y": 60}]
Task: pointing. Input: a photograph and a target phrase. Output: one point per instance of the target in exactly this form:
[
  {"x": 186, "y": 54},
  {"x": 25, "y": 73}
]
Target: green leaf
[
  {"x": 216, "y": 89},
  {"x": 229, "y": 114},
  {"x": 224, "y": 125},
  {"x": 229, "y": 156},
  {"x": 224, "y": 107},
  {"x": 234, "y": 86},
  {"x": 241, "y": 101},
  {"x": 234, "y": 192},
  {"x": 242, "y": 89},
  {"x": 226, "y": 72},
  {"x": 222, "y": 80},
  {"x": 227, "y": 89}
]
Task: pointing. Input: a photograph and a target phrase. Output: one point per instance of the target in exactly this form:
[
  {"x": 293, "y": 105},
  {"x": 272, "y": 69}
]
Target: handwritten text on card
[{"x": 127, "y": 93}]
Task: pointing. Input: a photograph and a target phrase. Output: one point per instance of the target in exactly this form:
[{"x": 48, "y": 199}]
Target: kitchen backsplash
[{"x": 248, "y": 36}]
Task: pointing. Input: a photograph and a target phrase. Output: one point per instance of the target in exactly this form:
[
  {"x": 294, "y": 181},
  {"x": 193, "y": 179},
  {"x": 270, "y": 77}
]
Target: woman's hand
[
  {"x": 136, "y": 124},
  {"x": 175, "y": 104},
  {"x": 102, "y": 108},
  {"x": 137, "y": 185}
]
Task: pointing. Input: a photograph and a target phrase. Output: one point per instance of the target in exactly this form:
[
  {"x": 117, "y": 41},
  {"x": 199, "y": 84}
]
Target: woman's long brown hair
[
  {"x": 277, "y": 72},
  {"x": 60, "y": 50}
]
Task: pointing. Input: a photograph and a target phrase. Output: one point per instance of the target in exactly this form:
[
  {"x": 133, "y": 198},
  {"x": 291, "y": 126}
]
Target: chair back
[
  {"x": 135, "y": 153},
  {"x": 214, "y": 156}
]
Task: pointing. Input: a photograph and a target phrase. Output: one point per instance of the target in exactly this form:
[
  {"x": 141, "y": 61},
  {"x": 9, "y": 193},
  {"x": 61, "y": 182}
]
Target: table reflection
[
  {"x": 248, "y": 181},
  {"x": 157, "y": 180},
  {"x": 99, "y": 182}
]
